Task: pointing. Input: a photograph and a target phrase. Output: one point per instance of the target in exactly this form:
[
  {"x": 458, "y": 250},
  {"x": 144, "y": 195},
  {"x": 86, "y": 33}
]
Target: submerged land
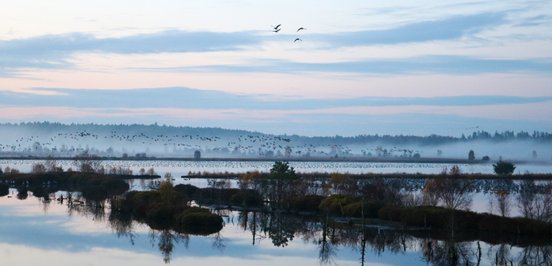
[{"x": 438, "y": 204}]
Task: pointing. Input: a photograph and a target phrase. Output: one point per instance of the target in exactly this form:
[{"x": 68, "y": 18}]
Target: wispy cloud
[
  {"x": 209, "y": 100},
  {"x": 160, "y": 42},
  {"x": 52, "y": 51},
  {"x": 423, "y": 64},
  {"x": 444, "y": 29}
]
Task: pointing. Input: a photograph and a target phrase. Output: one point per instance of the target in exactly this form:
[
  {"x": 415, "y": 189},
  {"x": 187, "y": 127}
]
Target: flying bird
[
  {"x": 300, "y": 29},
  {"x": 297, "y": 40},
  {"x": 277, "y": 26},
  {"x": 277, "y": 30}
]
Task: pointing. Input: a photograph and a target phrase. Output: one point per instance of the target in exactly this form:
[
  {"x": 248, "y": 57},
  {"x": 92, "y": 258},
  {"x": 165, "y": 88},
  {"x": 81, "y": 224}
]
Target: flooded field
[
  {"x": 57, "y": 234},
  {"x": 178, "y": 168}
]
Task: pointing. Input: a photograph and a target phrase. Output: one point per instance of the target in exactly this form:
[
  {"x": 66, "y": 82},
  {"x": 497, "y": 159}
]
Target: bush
[
  {"x": 159, "y": 215},
  {"x": 247, "y": 198},
  {"x": 334, "y": 204},
  {"x": 198, "y": 221},
  {"x": 308, "y": 203},
  {"x": 186, "y": 191},
  {"x": 161, "y": 211},
  {"x": 371, "y": 209},
  {"x": 103, "y": 187},
  {"x": 465, "y": 221}
]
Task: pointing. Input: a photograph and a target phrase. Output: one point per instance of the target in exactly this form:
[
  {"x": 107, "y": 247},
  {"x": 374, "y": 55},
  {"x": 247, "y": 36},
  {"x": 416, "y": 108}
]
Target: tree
[
  {"x": 282, "y": 170},
  {"x": 535, "y": 205},
  {"x": 504, "y": 168},
  {"x": 453, "y": 192},
  {"x": 471, "y": 155},
  {"x": 38, "y": 168},
  {"x": 52, "y": 166},
  {"x": 282, "y": 183},
  {"x": 343, "y": 184},
  {"x": 88, "y": 163}
]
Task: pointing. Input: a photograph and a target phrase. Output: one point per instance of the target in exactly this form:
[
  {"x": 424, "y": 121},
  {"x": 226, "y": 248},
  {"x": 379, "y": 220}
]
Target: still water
[{"x": 38, "y": 232}]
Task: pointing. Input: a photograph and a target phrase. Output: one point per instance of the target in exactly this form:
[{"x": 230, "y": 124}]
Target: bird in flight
[
  {"x": 277, "y": 27},
  {"x": 277, "y": 30},
  {"x": 300, "y": 29},
  {"x": 297, "y": 40}
]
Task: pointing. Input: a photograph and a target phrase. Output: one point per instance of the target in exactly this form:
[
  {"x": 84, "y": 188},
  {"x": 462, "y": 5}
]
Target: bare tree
[
  {"x": 533, "y": 203},
  {"x": 452, "y": 191},
  {"x": 88, "y": 163}
]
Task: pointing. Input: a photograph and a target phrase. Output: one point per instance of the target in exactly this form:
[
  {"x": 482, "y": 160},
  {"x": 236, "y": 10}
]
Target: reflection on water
[{"x": 47, "y": 231}]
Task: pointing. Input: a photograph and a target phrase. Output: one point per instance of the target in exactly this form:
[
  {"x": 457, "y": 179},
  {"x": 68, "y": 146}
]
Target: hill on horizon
[{"x": 57, "y": 139}]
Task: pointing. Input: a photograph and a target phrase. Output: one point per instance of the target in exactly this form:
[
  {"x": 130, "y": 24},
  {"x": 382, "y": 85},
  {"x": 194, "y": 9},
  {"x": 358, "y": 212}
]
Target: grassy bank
[{"x": 92, "y": 185}]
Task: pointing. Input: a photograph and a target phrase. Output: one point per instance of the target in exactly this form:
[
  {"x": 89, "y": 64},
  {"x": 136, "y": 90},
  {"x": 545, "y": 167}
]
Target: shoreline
[{"x": 272, "y": 159}]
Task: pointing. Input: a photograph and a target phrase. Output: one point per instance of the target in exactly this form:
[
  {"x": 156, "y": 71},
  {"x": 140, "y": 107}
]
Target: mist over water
[{"x": 58, "y": 140}]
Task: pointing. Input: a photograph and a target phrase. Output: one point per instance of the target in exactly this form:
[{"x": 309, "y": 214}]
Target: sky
[{"x": 360, "y": 67}]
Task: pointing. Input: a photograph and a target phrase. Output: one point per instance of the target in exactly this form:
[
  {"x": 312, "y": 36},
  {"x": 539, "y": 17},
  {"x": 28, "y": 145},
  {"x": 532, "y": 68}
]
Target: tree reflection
[
  {"x": 89, "y": 208},
  {"x": 536, "y": 255},
  {"x": 449, "y": 253},
  {"x": 166, "y": 240},
  {"x": 501, "y": 255},
  {"x": 121, "y": 223},
  {"x": 280, "y": 229},
  {"x": 22, "y": 193},
  {"x": 218, "y": 242},
  {"x": 326, "y": 248}
]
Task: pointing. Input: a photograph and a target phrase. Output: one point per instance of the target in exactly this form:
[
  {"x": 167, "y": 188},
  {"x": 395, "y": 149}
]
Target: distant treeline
[
  {"x": 40, "y": 127},
  {"x": 432, "y": 139}
]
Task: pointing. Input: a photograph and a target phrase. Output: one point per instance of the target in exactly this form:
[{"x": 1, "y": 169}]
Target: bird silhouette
[
  {"x": 297, "y": 40},
  {"x": 300, "y": 29},
  {"x": 277, "y": 26},
  {"x": 277, "y": 30}
]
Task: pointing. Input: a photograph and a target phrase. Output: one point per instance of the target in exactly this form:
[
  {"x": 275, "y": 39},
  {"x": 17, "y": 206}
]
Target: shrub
[
  {"x": 186, "y": 191},
  {"x": 334, "y": 204},
  {"x": 247, "y": 198},
  {"x": 308, "y": 203},
  {"x": 440, "y": 218},
  {"x": 198, "y": 221},
  {"x": 355, "y": 209}
]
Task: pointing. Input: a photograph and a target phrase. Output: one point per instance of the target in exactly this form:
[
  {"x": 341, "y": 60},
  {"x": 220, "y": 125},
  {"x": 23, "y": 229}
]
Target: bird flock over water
[{"x": 278, "y": 28}]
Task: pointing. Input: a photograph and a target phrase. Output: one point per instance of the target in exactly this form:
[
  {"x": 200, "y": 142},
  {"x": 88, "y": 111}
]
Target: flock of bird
[
  {"x": 80, "y": 141},
  {"x": 278, "y": 28}
]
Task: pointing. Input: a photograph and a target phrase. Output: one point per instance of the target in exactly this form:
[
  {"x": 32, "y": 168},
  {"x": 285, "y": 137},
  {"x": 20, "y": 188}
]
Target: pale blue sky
[{"x": 362, "y": 67}]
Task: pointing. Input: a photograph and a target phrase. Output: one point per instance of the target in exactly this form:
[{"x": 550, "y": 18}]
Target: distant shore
[{"x": 272, "y": 159}]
